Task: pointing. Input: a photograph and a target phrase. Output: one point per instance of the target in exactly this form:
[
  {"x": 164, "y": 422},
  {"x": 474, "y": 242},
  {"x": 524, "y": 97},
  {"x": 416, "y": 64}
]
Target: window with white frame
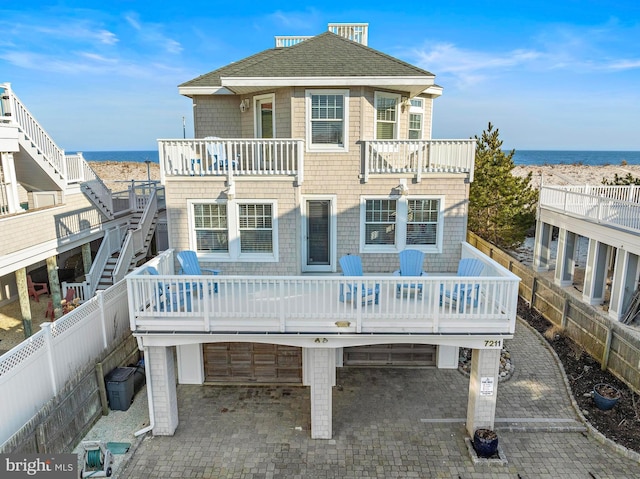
[
  {"x": 211, "y": 228},
  {"x": 416, "y": 116},
  {"x": 393, "y": 224},
  {"x": 234, "y": 231},
  {"x": 422, "y": 222},
  {"x": 386, "y": 115},
  {"x": 256, "y": 228},
  {"x": 327, "y": 119},
  {"x": 380, "y": 222}
]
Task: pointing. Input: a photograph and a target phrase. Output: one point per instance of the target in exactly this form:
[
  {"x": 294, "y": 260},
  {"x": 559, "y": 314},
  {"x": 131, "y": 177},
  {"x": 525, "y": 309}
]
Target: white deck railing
[
  {"x": 419, "y": 156},
  {"x": 601, "y": 204},
  {"x": 303, "y": 304},
  {"x": 15, "y": 112},
  {"x": 229, "y": 157}
]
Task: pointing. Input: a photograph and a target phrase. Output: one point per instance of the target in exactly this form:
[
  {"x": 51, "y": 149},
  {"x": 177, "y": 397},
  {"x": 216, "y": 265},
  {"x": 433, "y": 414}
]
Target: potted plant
[
  {"x": 605, "y": 396},
  {"x": 485, "y": 442}
]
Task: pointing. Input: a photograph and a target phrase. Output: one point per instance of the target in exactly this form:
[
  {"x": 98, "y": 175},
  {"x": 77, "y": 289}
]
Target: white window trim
[
  {"x": 384, "y": 94},
  {"x": 233, "y": 213},
  {"x": 416, "y": 110},
  {"x": 327, "y": 148},
  {"x": 333, "y": 245},
  {"x": 268, "y": 96},
  {"x": 402, "y": 209},
  {"x": 193, "y": 244}
]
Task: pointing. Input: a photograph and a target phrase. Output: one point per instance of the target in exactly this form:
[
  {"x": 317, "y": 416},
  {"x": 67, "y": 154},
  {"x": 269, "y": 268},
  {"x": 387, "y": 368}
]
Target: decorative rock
[{"x": 506, "y": 365}]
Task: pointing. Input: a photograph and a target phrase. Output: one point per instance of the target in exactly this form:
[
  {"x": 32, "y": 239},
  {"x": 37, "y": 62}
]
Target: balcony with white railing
[
  {"x": 418, "y": 157},
  {"x": 615, "y": 206},
  {"x": 232, "y": 157},
  {"x": 278, "y": 157},
  {"x": 171, "y": 303}
]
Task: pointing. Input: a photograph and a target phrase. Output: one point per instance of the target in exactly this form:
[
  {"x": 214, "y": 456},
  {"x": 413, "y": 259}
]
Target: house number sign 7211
[{"x": 493, "y": 343}]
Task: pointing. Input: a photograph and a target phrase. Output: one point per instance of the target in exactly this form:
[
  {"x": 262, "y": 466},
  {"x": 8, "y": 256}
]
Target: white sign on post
[{"x": 486, "y": 386}]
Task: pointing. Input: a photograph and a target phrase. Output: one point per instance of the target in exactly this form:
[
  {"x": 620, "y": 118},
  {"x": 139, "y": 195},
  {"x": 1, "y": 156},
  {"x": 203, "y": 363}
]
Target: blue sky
[{"x": 550, "y": 75}]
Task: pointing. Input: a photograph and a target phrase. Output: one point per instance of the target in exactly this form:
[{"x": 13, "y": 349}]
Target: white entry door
[{"x": 319, "y": 234}]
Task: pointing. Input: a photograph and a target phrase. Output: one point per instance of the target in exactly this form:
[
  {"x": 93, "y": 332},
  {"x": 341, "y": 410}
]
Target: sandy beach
[
  {"x": 565, "y": 174},
  {"x": 116, "y": 173}
]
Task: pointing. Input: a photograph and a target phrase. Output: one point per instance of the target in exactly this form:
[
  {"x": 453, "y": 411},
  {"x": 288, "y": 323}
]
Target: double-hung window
[
  {"x": 210, "y": 227},
  {"x": 327, "y": 120},
  {"x": 386, "y": 115},
  {"x": 234, "y": 231},
  {"x": 393, "y": 224},
  {"x": 416, "y": 118},
  {"x": 256, "y": 228}
]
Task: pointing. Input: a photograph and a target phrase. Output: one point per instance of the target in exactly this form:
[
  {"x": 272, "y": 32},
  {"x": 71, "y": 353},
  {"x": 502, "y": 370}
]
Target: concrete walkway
[{"x": 387, "y": 423}]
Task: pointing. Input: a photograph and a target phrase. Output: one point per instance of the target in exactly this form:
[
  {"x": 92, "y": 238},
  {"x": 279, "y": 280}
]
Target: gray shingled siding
[{"x": 324, "y": 173}]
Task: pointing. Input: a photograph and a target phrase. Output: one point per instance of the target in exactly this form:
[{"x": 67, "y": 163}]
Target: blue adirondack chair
[
  {"x": 352, "y": 266},
  {"x": 464, "y": 292},
  {"x": 189, "y": 265},
  {"x": 168, "y": 300},
  {"x": 411, "y": 261}
]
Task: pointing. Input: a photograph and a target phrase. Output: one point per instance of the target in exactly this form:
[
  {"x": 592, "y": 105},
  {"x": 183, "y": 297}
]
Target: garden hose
[{"x": 94, "y": 458}]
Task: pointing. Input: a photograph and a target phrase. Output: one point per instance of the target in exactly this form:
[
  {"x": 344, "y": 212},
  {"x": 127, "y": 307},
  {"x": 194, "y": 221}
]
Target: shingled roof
[{"x": 324, "y": 56}]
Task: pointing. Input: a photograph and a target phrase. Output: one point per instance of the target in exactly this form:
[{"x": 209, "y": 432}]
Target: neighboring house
[
  {"x": 55, "y": 215},
  {"x": 305, "y": 153},
  {"x": 609, "y": 217}
]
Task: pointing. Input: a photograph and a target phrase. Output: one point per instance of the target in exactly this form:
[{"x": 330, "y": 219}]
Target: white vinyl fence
[{"x": 36, "y": 370}]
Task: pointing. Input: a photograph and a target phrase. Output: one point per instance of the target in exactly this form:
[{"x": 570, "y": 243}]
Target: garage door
[
  {"x": 391, "y": 355},
  {"x": 252, "y": 362}
]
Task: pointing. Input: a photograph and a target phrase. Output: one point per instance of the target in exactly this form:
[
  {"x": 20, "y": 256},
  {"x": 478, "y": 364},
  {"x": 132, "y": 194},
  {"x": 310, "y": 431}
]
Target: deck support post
[
  {"x": 159, "y": 360},
  {"x": 565, "y": 264},
  {"x": 542, "y": 247},
  {"x": 320, "y": 374},
  {"x": 483, "y": 389},
  {"x": 595, "y": 277}
]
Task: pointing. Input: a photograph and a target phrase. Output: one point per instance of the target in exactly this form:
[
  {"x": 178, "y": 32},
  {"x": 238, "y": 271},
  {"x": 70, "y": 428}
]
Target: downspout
[{"x": 152, "y": 419}]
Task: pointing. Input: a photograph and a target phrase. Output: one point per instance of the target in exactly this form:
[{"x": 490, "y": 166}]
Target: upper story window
[
  {"x": 416, "y": 118},
  {"x": 393, "y": 224},
  {"x": 234, "y": 231},
  {"x": 386, "y": 115},
  {"x": 327, "y": 120}
]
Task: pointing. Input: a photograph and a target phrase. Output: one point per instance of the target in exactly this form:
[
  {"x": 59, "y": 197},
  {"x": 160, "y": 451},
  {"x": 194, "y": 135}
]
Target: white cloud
[{"x": 469, "y": 66}]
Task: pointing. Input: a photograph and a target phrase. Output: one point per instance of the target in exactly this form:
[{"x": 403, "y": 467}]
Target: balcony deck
[
  {"x": 285, "y": 157},
  {"x": 172, "y": 303},
  {"x": 614, "y": 206}
]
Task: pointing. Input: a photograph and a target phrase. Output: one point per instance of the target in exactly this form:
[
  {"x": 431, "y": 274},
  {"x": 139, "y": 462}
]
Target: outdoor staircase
[
  {"x": 107, "y": 277},
  {"x": 40, "y": 164}
]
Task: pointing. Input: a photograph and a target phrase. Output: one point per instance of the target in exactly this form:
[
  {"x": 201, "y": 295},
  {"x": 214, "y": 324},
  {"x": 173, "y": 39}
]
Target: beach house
[
  {"x": 607, "y": 218},
  {"x": 312, "y": 172},
  {"x": 62, "y": 231}
]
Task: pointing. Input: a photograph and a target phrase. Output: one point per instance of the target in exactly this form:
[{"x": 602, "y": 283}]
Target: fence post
[
  {"x": 103, "y": 322},
  {"x": 607, "y": 349},
  {"x": 533, "y": 291},
  {"x": 48, "y": 340},
  {"x": 102, "y": 389},
  {"x": 565, "y": 313}
]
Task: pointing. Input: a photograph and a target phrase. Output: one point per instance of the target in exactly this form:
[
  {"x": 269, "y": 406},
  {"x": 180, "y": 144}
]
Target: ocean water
[
  {"x": 138, "y": 156},
  {"x": 521, "y": 157}
]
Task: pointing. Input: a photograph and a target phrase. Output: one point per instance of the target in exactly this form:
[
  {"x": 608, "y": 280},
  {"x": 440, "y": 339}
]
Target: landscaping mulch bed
[{"x": 622, "y": 423}]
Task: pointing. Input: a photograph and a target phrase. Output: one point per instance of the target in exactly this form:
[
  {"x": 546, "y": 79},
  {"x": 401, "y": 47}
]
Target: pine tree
[{"x": 502, "y": 207}]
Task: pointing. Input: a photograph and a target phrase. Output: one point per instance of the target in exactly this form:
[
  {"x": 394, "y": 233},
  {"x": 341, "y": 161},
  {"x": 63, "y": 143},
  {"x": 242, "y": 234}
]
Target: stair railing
[
  {"x": 16, "y": 113},
  {"x": 110, "y": 245},
  {"x": 134, "y": 242}
]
